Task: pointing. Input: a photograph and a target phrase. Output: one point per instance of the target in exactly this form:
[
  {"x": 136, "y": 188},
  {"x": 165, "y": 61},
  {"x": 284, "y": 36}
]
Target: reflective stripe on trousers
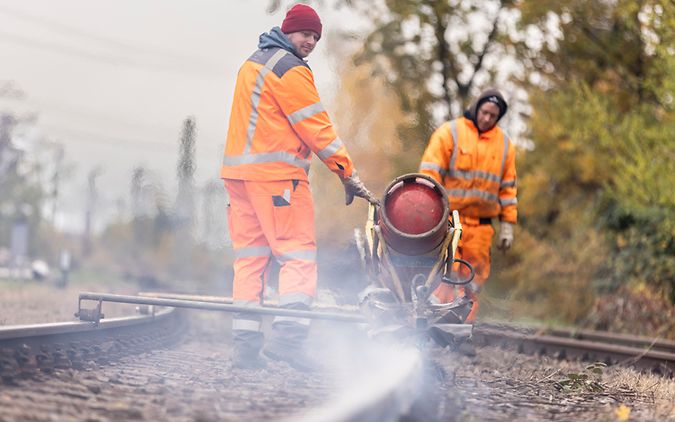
[{"x": 247, "y": 322}]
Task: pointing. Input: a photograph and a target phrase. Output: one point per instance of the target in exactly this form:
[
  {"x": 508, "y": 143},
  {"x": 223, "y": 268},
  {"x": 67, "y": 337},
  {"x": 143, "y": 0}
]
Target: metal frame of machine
[{"x": 400, "y": 297}]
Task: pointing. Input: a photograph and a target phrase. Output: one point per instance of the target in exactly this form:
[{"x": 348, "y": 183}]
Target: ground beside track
[
  {"x": 495, "y": 385},
  {"x": 498, "y": 385},
  {"x": 35, "y": 302}
]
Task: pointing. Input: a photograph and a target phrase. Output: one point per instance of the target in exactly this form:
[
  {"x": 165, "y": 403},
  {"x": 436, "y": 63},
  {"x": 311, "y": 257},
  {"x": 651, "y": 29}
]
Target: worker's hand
[
  {"x": 505, "y": 235},
  {"x": 355, "y": 187}
]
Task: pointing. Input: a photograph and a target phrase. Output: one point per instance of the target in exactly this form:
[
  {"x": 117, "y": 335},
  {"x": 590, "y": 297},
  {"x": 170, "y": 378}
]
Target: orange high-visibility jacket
[
  {"x": 478, "y": 171},
  {"x": 277, "y": 121}
]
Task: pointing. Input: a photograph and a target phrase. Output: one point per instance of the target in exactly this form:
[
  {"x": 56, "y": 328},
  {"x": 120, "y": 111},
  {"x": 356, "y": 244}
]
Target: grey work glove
[
  {"x": 505, "y": 235},
  {"x": 355, "y": 187}
]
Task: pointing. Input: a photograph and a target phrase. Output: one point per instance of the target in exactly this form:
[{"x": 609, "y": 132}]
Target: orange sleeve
[
  {"x": 299, "y": 100},
  {"x": 436, "y": 157},
  {"x": 508, "y": 188}
]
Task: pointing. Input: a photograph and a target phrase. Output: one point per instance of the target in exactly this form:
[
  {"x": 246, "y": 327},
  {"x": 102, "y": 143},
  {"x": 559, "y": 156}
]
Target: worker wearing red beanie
[
  {"x": 301, "y": 18},
  {"x": 276, "y": 123}
]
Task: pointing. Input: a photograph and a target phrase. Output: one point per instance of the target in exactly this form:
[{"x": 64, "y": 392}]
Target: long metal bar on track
[
  {"x": 211, "y": 306},
  {"x": 351, "y": 309}
]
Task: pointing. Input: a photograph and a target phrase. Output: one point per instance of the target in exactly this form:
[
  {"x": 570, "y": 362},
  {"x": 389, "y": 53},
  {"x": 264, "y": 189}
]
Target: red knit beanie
[{"x": 301, "y": 18}]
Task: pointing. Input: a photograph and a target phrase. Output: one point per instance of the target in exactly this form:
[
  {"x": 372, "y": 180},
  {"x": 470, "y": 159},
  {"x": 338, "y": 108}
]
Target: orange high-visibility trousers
[
  {"x": 474, "y": 247},
  {"x": 272, "y": 219}
]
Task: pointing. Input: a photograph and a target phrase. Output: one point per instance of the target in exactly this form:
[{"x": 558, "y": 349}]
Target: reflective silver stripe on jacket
[
  {"x": 303, "y": 255},
  {"x": 508, "y": 183},
  {"x": 505, "y": 202},
  {"x": 331, "y": 149},
  {"x": 255, "y": 96},
  {"x": 267, "y": 157},
  {"x": 426, "y": 165},
  {"x": 305, "y": 112},
  {"x": 471, "y": 174},
  {"x": 472, "y": 193},
  {"x": 506, "y": 150},
  {"x": 455, "y": 143},
  {"x": 251, "y": 251}
]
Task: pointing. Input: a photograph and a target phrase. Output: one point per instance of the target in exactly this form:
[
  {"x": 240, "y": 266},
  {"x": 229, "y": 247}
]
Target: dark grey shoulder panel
[
  {"x": 288, "y": 62},
  {"x": 262, "y": 56}
]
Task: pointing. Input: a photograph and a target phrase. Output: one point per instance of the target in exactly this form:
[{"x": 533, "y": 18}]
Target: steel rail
[
  {"x": 656, "y": 344},
  {"x": 64, "y": 331},
  {"x": 223, "y": 307},
  {"x": 656, "y": 361},
  {"x": 25, "y": 349}
]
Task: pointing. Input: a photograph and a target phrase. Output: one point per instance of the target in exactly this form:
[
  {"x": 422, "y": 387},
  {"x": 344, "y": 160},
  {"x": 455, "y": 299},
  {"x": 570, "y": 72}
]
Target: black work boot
[
  {"x": 287, "y": 344},
  {"x": 246, "y": 350}
]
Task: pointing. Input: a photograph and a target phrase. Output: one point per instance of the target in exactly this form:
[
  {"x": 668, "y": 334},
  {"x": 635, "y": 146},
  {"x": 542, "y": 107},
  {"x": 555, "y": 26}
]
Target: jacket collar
[{"x": 276, "y": 39}]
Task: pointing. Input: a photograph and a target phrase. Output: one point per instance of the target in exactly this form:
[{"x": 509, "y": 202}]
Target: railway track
[
  {"x": 162, "y": 366},
  {"x": 651, "y": 354},
  {"x": 155, "y": 366},
  {"x": 26, "y": 350}
]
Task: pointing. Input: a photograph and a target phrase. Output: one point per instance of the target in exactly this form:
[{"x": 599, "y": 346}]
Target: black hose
[{"x": 447, "y": 280}]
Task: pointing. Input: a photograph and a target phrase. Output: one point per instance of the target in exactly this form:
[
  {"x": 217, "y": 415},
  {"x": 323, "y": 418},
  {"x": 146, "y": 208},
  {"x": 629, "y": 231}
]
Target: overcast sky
[{"x": 113, "y": 80}]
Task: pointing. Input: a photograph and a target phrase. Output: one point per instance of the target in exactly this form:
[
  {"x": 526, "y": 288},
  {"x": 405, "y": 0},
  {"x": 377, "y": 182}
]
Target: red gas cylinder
[{"x": 414, "y": 214}]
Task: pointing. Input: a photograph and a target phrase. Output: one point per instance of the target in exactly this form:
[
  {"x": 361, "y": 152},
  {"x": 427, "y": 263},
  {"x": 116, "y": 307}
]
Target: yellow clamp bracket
[
  {"x": 370, "y": 223},
  {"x": 456, "y": 233}
]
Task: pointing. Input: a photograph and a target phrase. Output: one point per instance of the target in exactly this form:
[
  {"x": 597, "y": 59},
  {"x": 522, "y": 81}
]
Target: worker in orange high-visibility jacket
[
  {"x": 276, "y": 123},
  {"x": 475, "y": 160}
]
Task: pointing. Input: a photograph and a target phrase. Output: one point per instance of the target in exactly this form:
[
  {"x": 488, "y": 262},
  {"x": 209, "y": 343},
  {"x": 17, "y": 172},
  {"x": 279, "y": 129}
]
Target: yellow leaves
[
  {"x": 621, "y": 241},
  {"x": 622, "y": 412},
  {"x": 566, "y": 145},
  {"x": 587, "y": 166}
]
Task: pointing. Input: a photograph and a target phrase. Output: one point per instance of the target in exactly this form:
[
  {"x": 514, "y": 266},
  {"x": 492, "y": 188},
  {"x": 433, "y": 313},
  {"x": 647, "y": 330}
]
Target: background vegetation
[{"x": 591, "y": 89}]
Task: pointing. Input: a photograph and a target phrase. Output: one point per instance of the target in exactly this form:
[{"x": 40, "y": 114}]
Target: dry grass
[
  {"x": 32, "y": 302},
  {"x": 654, "y": 390},
  {"x": 501, "y": 384}
]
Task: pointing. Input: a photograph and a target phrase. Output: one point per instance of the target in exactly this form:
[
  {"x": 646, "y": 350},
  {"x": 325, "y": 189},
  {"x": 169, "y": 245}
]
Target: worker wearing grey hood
[
  {"x": 475, "y": 161},
  {"x": 489, "y": 96}
]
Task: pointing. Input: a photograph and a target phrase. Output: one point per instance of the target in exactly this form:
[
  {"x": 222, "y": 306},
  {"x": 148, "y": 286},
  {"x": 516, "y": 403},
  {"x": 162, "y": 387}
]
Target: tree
[
  {"x": 601, "y": 86},
  {"x": 185, "y": 170},
  {"x": 21, "y": 196}
]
